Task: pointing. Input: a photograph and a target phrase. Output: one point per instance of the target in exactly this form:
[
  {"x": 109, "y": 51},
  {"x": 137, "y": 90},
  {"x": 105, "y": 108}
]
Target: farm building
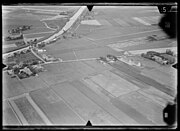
[{"x": 26, "y": 70}]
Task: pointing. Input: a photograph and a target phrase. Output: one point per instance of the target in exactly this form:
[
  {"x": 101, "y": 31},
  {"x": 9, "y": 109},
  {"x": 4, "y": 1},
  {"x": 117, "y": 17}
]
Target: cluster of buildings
[
  {"x": 19, "y": 29},
  {"x": 16, "y": 33},
  {"x": 50, "y": 58},
  {"x": 112, "y": 59},
  {"x": 24, "y": 71},
  {"x": 45, "y": 57},
  {"x": 10, "y": 55},
  {"x": 161, "y": 58},
  {"x": 130, "y": 61},
  {"x": 14, "y": 37},
  {"x": 108, "y": 59},
  {"x": 20, "y": 43},
  {"x": 43, "y": 44},
  {"x": 18, "y": 38}
]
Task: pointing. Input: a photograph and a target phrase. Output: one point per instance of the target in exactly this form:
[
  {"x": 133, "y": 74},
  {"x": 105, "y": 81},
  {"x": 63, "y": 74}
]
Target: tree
[
  {"x": 143, "y": 54},
  {"x": 64, "y": 37},
  {"x": 24, "y": 65},
  {"x": 16, "y": 70},
  {"x": 169, "y": 52},
  {"x": 41, "y": 45},
  {"x": 35, "y": 62},
  {"x": 28, "y": 50},
  {"x": 15, "y": 54},
  {"x": 22, "y": 52},
  {"x": 9, "y": 67},
  {"x": 171, "y": 61},
  {"x": 35, "y": 40}
]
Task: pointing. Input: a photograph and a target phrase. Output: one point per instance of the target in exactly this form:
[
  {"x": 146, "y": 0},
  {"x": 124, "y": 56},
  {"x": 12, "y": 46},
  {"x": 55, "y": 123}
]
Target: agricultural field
[
  {"x": 56, "y": 23},
  {"x": 55, "y": 108},
  {"x": 81, "y": 87},
  {"x": 146, "y": 45},
  {"x": 27, "y": 110},
  {"x": 92, "y": 81},
  {"x": 37, "y": 25},
  {"x": 12, "y": 87},
  {"x": 15, "y": 17},
  {"x": 29, "y": 56},
  {"x": 10, "y": 117}
]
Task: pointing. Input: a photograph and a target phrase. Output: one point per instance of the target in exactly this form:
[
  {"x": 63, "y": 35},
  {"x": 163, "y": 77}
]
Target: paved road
[
  {"x": 68, "y": 24},
  {"x": 65, "y": 28}
]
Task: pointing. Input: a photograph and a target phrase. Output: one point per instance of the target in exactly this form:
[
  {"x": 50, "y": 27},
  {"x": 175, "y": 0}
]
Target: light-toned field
[
  {"x": 9, "y": 46},
  {"x": 148, "y": 108},
  {"x": 29, "y": 113},
  {"x": 36, "y": 84},
  {"x": 156, "y": 95},
  {"x": 90, "y": 22},
  {"x": 115, "y": 86},
  {"x": 58, "y": 112},
  {"x": 11, "y": 86},
  {"x": 9, "y": 116},
  {"x": 84, "y": 106}
]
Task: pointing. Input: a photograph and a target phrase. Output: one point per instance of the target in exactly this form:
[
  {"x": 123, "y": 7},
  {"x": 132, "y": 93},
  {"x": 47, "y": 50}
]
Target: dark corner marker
[
  {"x": 175, "y": 65},
  {"x": 168, "y": 22},
  {"x": 3, "y": 65},
  {"x": 89, "y": 7},
  {"x": 169, "y": 113},
  {"x": 88, "y": 123}
]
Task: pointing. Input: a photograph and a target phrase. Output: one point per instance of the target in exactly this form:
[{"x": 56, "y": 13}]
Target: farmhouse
[{"x": 26, "y": 70}]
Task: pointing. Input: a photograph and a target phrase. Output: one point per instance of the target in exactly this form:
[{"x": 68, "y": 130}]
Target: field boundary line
[
  {"x": 20, "y": 115},
  {"x": 39, "y": 33},
  {"x": 38, "y": 56},
  {"x": 129, "y": 34},
  {"x": 141, "y": 21},
  {"x": 67, "y": 103},
  {"x": 14, "y": 112},
  {"x": 75, "y": 55},
  {"x": 35, "y": 106}
]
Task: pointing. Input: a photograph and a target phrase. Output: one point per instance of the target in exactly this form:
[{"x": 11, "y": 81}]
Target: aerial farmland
[{"x": 112, "y": 66}]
